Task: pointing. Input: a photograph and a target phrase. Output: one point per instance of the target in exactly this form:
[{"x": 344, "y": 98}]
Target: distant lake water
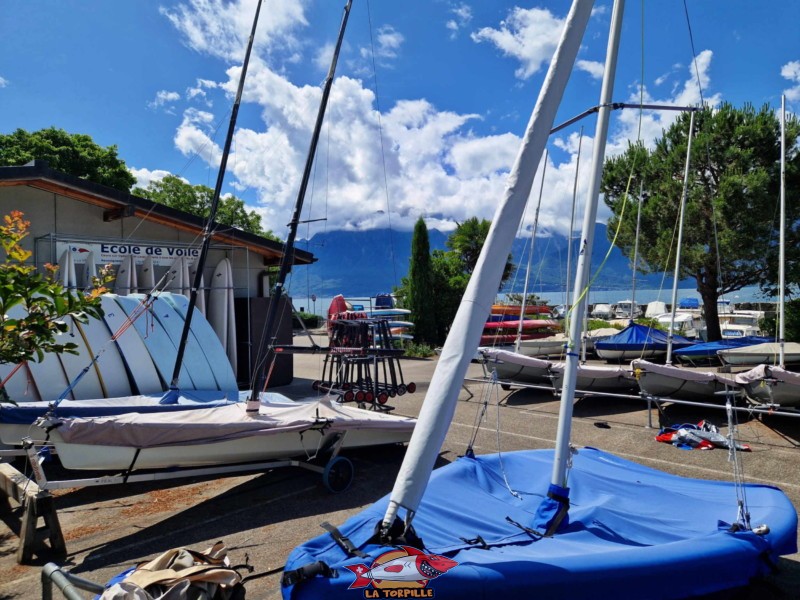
[{"x": 643, "y": 296}]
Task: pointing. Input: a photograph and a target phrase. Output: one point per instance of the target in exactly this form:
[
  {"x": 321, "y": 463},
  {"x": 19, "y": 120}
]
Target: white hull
[
  {"x": 785, "y": 395},
  {"x": 512, "y": 366},
  {"x": 249, "y": 449},
  {"x": 597, "y": 379},
  {"x": 666, "y": 381},
  {"x": 771, "y": 385},
  {"x": 761, "y": 354},
  {"x": 221, "y": 435},
  {"x": 628, "y": 355},
  {"x": 554, "y": 346}
]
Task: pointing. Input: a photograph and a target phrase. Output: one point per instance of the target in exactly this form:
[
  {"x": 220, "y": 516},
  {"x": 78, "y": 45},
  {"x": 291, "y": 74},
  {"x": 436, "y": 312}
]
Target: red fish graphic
[{"x": 415, "y": 567}]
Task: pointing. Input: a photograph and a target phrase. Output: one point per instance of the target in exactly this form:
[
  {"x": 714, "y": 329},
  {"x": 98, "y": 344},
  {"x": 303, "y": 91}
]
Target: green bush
[
  {"x": 418, "y": 350},
  {"x": 310, "y": 321}
]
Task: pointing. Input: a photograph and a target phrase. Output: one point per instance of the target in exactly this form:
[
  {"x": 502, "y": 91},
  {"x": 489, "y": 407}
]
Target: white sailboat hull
[
  {"x": 627, "y": 355},
  {"x": 249, "y": 449},
  {"x": 771, "y": 385},
  {"x": 597, "y": 379},
  {"x": 221, "y": 435},
  {"x": 761, "y": 354},
  {"x": 667, "y": 381},
  {"x": 512, "y": 366}
]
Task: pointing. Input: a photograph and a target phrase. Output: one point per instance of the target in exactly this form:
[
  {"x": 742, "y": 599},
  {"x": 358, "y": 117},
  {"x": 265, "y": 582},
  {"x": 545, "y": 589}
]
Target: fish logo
[{"x": 403, "y": 567}]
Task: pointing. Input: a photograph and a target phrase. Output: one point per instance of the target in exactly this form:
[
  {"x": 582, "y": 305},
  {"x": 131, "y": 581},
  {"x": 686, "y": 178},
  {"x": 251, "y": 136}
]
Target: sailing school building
[{"x": 82, "y": 226}]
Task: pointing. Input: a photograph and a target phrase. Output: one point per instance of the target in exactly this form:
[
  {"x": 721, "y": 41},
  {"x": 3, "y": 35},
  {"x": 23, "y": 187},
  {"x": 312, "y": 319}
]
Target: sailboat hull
[
  {"x": 633, "y": 532},
  {"x": 667, "y": 381},
  {"x": 221, "y": 435}
]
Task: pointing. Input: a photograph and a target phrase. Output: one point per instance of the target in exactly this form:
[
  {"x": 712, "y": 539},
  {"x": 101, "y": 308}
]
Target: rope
[{"x": 743, "y": 512}]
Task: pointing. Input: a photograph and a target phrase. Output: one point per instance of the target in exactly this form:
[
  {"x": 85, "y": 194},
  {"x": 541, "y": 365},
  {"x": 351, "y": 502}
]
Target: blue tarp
[
  {"x": 633, "y": 532},
  {"x": 689, "y": 303},
  {"x": 709, "y": 349},
  {"x": 637, "y": 337}
]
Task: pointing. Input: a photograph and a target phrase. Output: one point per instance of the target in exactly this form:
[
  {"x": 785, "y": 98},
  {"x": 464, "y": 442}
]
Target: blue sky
[{"x": 427, "y": 110}]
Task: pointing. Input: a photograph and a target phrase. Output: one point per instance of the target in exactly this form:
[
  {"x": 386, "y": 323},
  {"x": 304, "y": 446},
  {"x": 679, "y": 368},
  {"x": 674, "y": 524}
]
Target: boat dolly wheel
[{"x": 338, "y": 474}]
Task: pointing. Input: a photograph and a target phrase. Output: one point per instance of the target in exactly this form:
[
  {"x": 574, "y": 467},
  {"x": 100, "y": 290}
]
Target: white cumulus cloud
[
  {"x": 529, "y": 35},
  {"x": 791, "y": 71}
]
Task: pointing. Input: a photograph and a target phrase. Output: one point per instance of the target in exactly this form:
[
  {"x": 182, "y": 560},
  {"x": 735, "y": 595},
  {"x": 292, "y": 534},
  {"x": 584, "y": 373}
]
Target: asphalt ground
[{"x": 262, "y": 516}]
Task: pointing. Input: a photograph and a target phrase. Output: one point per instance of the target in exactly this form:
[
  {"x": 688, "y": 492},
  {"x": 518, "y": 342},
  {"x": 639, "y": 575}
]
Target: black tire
[{"x": 338, "y": 474}]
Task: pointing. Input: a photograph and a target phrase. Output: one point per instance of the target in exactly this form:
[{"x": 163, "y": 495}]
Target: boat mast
[
  {"x": 530, "y": 258},
  {"x": 212, "y": 214},
  {"x": 254, "y": 402},
  {"x": 459, "y": 348},
  {"x": 584, "y": 258},
  {"x": 636, "y": 251},
  {"x": 676, "y": 275},
  {"x": 567, "y": 299},
  {"x": 782, "y": 243}
]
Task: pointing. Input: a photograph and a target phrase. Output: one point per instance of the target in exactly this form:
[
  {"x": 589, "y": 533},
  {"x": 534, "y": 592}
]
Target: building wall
[
  {"x": 54, "y": 216},
  {"x": 57, "y": 217}
]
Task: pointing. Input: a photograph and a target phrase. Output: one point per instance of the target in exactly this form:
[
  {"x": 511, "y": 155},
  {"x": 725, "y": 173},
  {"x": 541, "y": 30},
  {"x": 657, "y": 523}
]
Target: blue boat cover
[
  {"x": 709, "y": 349},
  {"x": 633, "y": 532},
  {"x": 636, "y": 337},
  {"x": 689, "y": 303}
]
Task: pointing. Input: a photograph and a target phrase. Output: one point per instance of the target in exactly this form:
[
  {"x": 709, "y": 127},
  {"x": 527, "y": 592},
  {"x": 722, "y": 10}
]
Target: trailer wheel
[{"x": 338, "y": 474}]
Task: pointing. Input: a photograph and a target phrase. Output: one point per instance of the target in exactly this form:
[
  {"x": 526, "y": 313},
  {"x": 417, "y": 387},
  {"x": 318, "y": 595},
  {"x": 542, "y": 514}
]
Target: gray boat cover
[
  {"x": 761, "y": 372},
  {"x": 515, "y": 358},
  {"x": 676, "y": 372},
  {"x": 206, "y": 425},
  {"x": 768, "y": 351}
]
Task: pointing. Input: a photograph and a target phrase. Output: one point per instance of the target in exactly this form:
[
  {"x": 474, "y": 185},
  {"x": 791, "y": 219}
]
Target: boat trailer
[{"x": 32, "y": 493}]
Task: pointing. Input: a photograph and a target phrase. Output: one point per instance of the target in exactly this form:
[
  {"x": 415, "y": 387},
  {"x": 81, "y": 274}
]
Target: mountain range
[{"x": 364, "y": 263}]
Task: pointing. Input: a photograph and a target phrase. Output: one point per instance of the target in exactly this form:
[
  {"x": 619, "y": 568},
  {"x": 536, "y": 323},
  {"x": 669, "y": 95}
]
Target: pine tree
[{"x": 420, "y": 298}]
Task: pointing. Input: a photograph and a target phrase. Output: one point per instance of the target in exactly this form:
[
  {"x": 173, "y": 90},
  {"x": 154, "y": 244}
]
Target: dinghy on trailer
[
  {"x": 557, "y": 523},
  {"x": 258, "y": 427}
]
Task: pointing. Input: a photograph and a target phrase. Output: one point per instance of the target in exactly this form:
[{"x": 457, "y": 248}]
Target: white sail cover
[
  {"x": 207, "y": 425},
  {"x": 464, "y": 337}
]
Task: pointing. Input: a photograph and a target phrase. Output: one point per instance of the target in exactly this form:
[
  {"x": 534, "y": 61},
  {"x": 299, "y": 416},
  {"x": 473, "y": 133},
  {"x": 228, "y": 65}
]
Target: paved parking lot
[{"x": 262, "y": 516}]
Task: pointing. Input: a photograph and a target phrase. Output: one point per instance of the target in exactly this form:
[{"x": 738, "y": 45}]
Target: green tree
[
  {"x": 33, "y": 306},
  {"x": 467, "y": 242},
  {"x": 75, "y": 154},
  {"x": 174, "y": 192},
  {"x": 449, "y": 284},
  {"x": 451, "y": 271},
  {"x": 730, "y": 226},
  {"x": 419, "y": 298}
]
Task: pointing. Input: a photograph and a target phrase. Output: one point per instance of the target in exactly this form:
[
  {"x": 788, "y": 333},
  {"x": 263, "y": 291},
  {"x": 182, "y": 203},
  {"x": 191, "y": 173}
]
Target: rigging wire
[
  {"x": 694, "y": 52},
  {"x": 380, "y": 135},
  {"x": 743, "y": 515}
]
